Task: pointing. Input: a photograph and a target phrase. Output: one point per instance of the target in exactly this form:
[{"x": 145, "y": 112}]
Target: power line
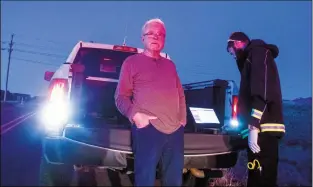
[
  {"x": 37, "y": 46},
  {"x": 40, "y": 53},
  {"x": 34, "y": 52},
  {"x": 33, "y": 61},
  {"x": 40, "y": 39},
  {"x": 45, "y": 47}
]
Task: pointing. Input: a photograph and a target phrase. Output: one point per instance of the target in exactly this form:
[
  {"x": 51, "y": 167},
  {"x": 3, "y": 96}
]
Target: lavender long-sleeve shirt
[{"x": 152, "y": 87}]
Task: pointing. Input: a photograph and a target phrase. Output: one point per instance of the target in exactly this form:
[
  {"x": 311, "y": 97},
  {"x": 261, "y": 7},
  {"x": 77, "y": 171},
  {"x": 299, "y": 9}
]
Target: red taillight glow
[
  {"x": 234, "y": 107},
  {"x": 125, "y": 48},
  {"x": 58, "y": 90}
]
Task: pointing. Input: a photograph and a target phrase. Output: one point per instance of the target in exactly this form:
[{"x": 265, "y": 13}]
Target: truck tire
[{"x": 55, "y": 175}]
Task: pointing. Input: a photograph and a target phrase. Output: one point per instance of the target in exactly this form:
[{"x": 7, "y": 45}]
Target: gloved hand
[{"x": 253, "y": 141}]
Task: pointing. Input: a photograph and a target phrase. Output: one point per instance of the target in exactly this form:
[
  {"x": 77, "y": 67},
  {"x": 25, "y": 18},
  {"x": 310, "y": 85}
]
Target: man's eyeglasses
[{"x": 150, "y": 34}]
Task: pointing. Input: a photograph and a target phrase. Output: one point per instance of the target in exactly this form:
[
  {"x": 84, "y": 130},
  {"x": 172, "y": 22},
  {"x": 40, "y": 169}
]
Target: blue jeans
[{"x": 151, "y": 146}]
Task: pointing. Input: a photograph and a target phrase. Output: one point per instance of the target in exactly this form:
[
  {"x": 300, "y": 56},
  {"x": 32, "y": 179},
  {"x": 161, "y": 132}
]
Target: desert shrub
[{"x": 229, "y": 179}]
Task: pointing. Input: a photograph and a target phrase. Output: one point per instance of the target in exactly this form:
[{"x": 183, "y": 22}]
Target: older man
[{"x": 150, "y": 94}]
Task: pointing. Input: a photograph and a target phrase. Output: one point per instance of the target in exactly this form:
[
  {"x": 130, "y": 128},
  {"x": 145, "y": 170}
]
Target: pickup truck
[{"x": 83, "y": 128}]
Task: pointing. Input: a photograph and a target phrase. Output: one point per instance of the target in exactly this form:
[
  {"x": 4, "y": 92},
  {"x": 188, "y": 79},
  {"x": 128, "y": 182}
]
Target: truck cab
[{"x": 84, "y": 128}]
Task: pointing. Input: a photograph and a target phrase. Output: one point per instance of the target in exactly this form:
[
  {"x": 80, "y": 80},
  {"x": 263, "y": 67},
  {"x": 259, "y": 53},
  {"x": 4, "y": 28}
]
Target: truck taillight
[
  {"x": 125, "y": 48},
  {"x": 234, "y": 107},
  {"x": 58, "y": 90},
  {"x": 56, "y": 111},
  {"x": 234, "y": 120}
]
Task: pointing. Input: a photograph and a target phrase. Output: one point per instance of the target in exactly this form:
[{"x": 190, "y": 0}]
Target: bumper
[
  {"x": 61, "y": 150},
  {"x": 79, "y": 146}
]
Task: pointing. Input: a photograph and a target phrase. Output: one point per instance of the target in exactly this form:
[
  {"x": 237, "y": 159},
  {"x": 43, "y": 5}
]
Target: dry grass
[{"x": 228, "y": 179}]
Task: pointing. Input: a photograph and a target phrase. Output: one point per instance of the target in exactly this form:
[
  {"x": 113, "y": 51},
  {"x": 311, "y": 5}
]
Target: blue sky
[{"x": 196, "y": 36}]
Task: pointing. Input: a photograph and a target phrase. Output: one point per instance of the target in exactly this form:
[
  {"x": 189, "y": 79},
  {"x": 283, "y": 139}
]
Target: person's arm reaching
[
  {"x": 124, "y": 92},
  {"x": 182, "y": 103},
  {"x": 258, "y": 84}
]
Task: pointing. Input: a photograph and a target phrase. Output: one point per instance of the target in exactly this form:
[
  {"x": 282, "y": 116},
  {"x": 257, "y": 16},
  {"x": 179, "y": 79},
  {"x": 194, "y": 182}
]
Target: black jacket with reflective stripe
[{"x": 260, "y": 98}]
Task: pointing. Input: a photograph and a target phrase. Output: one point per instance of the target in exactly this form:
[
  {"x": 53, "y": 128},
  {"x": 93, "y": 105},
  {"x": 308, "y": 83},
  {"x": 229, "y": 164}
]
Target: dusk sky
[{"x": 45, "y": 33}]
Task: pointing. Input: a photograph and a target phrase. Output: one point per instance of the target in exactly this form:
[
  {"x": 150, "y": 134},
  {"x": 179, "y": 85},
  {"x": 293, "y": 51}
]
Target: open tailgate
[{"x": 196, "y": 144}]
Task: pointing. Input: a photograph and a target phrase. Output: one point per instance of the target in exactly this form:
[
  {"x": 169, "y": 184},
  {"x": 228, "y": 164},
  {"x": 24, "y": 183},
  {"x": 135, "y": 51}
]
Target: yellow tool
[
  {"x": 251, "y": 165},
  {"x": 197, "y": 173}
]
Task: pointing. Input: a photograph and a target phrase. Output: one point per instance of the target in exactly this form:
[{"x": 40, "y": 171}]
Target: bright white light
[
  {"x": 234, "y": 123},
  {"x": 54, "y": 115}
]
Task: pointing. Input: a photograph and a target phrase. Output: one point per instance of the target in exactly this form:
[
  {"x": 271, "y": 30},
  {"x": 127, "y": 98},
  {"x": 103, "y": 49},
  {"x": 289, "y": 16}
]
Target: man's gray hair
[{"x": 154, "y": 20}]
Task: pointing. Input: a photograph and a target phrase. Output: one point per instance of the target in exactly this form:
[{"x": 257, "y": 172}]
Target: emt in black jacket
[{"x": 259, "y": 105}]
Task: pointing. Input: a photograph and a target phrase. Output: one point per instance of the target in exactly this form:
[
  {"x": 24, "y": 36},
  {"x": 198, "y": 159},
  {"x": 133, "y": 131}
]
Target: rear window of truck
[{"x": 102, "y": 62}]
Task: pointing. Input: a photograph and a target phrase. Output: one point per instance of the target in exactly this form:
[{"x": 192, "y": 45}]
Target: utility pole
[{"x": 8, "y": 68}]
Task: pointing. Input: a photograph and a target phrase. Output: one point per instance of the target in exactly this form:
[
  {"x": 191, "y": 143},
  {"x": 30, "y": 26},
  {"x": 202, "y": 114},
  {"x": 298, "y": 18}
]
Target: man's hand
[
  {"x": 142, "y": 120},
  {"x": 253, "y": 140}
]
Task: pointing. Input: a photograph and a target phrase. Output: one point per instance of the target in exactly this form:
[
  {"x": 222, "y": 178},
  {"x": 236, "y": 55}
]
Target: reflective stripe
[
  {"x": 272, "y": 127},
  {"x": 244, "y": 133},
  {"x": 256, "y": 113}
]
